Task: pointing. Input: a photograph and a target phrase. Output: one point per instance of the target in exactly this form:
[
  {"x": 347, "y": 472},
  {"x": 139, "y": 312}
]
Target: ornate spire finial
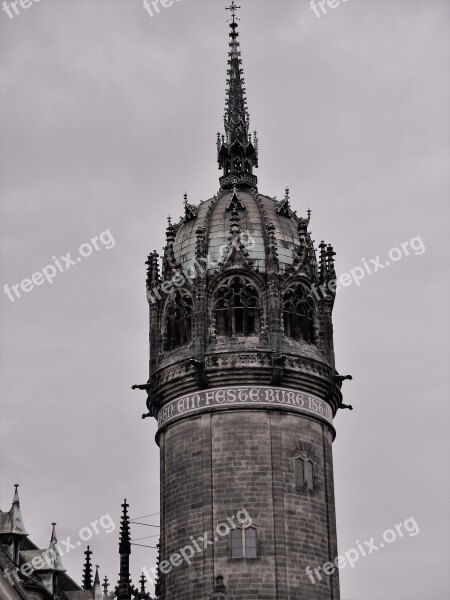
[
  {"x": 124, "y": 587},
  {"x": 105, "y": 586},
  {"x": 284, "y": 207},
  {"x": 125, "y": 542},
  {"x": 237, "y": 155},
  {"x": 190, "y": 211},
  {"x": 53, "y": 539},
  {"x": 233, "y": 8},
  {"x": 87, "y": 571},
  {"x": 142, "y": 581},
  {"x": 152, "y": 270},
  {"x": 170, "y": 231}
]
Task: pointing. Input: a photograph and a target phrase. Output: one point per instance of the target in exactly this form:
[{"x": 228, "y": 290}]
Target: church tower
[{"x": 243, "y": 385}]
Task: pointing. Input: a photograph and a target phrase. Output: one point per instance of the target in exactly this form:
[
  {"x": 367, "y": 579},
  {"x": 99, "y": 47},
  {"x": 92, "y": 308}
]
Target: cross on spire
[{"x": 233, "y": 8}]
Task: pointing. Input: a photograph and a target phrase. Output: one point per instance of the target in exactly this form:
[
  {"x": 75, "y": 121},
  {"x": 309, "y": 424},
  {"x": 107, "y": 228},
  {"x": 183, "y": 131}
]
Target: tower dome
[{"x": 257, "y": 213}]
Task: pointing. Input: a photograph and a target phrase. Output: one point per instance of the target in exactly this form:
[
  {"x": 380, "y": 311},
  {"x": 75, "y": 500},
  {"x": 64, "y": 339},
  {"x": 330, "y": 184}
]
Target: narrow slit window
[
  {"x": 304, "y": 474},
  {"x": 309, "y": 476},
  {"x": 299, "y": 474}
]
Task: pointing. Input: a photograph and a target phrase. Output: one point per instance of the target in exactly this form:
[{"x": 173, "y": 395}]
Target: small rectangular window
[
  {"x": 237, "y": 549},
  {"x": 250, "y": 543}
]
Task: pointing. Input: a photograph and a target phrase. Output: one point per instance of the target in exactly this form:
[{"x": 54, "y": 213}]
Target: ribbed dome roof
[{"x": 258, "y": 211}]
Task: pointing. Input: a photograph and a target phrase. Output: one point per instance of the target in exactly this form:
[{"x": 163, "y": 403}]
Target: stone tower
[{"x": 244, "y": 386}]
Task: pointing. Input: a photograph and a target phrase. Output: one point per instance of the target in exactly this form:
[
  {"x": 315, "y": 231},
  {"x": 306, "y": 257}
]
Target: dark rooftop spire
[
  {"x": 105, "y": 586},
  {"x": 142, "y": 593},
  {"x": 236, "y": 112},
  {"x": 87, "y": 571},
  {"x": 237, "y": 154},
  {"x": 124, "y": 588}
]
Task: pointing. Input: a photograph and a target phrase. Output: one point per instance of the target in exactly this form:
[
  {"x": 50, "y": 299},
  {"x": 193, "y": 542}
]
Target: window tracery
[
  {"x": 178, "y": 320},
  {"x": 237, "y": 308}
]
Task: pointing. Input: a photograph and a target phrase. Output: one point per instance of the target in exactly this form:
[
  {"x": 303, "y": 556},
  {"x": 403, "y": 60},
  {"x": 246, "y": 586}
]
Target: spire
[
  {"x": 284, "y": 207},
  {"x": 105, "y": 586},
  {"x": 169, "y": 262},
  {"x": 236, "y": 112},
  {"x": 87, "y": 571},
  {"x": 237, "y": 154},
  {"x": 53, "y": 551},
  {"x": 124, "y": 587},
  {"x": 17, "y": 524},
  {"x": 330, "y": 263},
  {"x": 97, "y": 577},
  {"x": 97, "y": 588},
  {"x": 142, "y": 593},
  {"x": 153, "y": 277},
  {"x": 322, "y": 262},
  {"x": 190, "y": 211}
]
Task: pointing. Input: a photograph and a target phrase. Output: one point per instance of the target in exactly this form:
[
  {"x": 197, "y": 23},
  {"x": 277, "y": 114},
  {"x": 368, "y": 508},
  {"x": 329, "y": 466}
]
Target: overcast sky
[{"x": 107, "y": 116}]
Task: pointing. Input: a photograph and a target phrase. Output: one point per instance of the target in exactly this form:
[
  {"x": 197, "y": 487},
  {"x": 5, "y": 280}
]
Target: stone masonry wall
[{"x": 214, "y": 465}]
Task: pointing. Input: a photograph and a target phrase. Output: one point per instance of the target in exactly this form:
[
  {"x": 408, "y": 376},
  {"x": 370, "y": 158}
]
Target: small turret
[
  {"x": 97, "y": 588},
  {"x": 12, "y": 527}
]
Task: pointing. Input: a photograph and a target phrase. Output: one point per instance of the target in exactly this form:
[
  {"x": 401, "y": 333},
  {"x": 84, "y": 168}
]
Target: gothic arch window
[
  {"x": 244, "y": 543},
  {"x": 304, "y": 474},
  {"x": 178, "y": 320},
  {"x": 298, "y": 314},
  {"x": 237, "y": 308}
]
